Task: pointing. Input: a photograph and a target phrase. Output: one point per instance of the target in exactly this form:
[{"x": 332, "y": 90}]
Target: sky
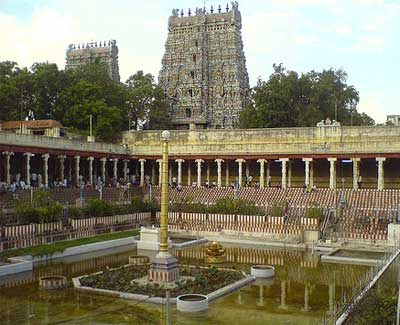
[{"x": 359, "y": 36}]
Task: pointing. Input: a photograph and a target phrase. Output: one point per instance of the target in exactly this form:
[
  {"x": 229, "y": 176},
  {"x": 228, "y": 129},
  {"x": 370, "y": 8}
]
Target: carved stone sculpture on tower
[
  {"x": 107, "y": 54},
  {"x": 204, "y": 71}
]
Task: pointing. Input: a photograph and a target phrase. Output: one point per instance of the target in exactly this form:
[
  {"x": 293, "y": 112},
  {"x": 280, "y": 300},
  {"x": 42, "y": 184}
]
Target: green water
[{"x": 301, "y": 291}]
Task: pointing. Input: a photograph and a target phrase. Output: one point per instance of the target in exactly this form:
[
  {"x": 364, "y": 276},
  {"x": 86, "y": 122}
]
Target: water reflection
[{"x": 301, "y": 291}]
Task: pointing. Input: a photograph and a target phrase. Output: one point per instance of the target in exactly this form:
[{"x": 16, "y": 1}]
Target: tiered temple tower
[
  {"x": 204, "y": 71},
  {"x": 103, "y": 52}
]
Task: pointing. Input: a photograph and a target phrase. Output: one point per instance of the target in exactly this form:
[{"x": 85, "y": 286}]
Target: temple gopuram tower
[
  {"x": 102, "y": 52},
  {"x": 204, "y": 71}
]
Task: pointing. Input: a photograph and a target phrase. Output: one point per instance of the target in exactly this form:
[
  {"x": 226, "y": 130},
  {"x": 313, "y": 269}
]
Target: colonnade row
[
  {"x": 264, "y": 179},
  {"x": 77, "y": 177}
]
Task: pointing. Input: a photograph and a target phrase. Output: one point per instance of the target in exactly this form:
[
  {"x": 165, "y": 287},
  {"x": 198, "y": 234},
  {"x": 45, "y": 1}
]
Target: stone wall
[
  {"x": 43, "y": 144},
  {"x": 326, "y": 141}
]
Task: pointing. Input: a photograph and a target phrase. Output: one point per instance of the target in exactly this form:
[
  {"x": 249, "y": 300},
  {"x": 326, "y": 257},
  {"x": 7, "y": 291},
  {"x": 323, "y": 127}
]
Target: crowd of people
[{"x": 36, "y": 181}]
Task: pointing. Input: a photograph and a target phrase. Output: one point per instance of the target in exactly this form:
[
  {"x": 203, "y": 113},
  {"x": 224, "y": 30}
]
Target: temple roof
[{"x": 32, "y": 124}]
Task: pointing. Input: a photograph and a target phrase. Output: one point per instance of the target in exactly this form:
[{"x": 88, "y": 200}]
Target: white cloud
[
  {"x": 303, "y": 34},
  {"x": 37, "y": 39},
  {"x": 341, "y": 29},
  {"x": 369, "y": 43},
  {"x": 374, "y": 106},
  {"x": 46, "y": 34}
]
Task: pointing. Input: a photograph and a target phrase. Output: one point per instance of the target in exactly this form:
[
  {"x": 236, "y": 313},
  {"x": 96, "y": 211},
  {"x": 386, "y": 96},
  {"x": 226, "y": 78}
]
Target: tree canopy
[
  {"x": 72, "y": 96},
  {"x": 288, "y": 99}
]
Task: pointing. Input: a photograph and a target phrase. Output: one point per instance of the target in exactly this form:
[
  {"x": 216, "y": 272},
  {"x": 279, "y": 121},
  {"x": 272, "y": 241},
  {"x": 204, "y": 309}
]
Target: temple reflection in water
[{"x": 302, "y": 289}]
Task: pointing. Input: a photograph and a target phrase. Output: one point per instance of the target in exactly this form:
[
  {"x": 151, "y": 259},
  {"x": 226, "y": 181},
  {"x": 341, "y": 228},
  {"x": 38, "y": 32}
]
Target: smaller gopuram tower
[
  {"x": 203, "y": 70},
  {"x": 102, "y": 52}
]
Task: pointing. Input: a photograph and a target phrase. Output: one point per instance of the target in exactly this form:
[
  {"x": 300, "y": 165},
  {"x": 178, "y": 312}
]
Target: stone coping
[
  {"x": 331, "y": 258},
  {"x": 25, "y": 263},
  {"x": 158, "y": 300},
  {"x": 16, "y": 265},
  {"x": 82, "y": 249},
  {"x": 257, "y": 242},
  {"x": 190, "y": 243}
]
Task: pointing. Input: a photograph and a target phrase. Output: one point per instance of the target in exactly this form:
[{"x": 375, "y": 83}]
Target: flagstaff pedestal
[{"x": 164, "y": 267}]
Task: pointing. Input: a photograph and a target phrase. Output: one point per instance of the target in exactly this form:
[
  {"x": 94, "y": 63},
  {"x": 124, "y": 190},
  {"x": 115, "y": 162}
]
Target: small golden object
[{"x": 215, "y": 253}]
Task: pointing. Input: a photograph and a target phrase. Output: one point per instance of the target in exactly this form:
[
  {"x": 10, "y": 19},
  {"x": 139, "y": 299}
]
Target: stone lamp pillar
[{"x": 164, "y": 267}]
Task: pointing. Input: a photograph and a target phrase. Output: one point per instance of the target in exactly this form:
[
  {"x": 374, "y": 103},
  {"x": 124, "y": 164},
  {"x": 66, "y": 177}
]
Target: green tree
[
  {"x": 48, "y": 83},
  {"x": 16, "y": 91},
  {"x": 9, "y": 96},
  {"x": 158, "y": 117},
  {"x": 290, "y": 100},
  {"x": 89, "y": 92},
  {"x": 147, "y": 106},
  {"x": 108, "y": 124}
]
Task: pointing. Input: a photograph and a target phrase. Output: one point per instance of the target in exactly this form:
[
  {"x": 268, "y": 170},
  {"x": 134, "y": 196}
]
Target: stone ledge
[
  {"x": 190, "y": 243},
  {"x": 158, "y": 300},
  {"x": 16, "y": 265}
]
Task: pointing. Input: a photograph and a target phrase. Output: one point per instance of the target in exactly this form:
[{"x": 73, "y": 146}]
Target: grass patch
[{"x": 61, "y": 245}]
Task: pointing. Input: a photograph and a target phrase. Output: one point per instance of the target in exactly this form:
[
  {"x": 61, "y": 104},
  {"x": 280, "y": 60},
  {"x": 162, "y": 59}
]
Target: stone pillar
[
  {"x": 260, "y": 301},
  {"x": 331, "y": 293},
  {"x": 289, "y": 180},
  {"x": 115, "y": 168},
  {"x": 103, "y": 169},
  {"x": 306, "y": 305},
  {"x": 381, "y": 173},
  {"x": 126, "y": 161},
  {"x": 262, "y": 169},
  {"x": 159, "y": 161},
  {"x": 8, "y": 155},
  {"x": 179, "y": 162},
  {"x": 142, "y": 161},
  {"x": 198, "y": 162},
  {"x": 77, "y": 160},
  {"x": 28, "y": 156},
  {"x": 153, "y": 173},
  {"x": 189, "y": 175},
  {"x": 70, "y": 160},
  {"x": 356, "y": 172},
  {"x": 268, "y": 175},
  {"x": 240, "y": 175},
  {"x": 332, "y": 172},
  {"x": 46, "y": 157},
  {"x": 284, "y": 171},
  {"x": 219, "y": 172},
  {"x": 307, "y": 161},
  {"x": 62, "y": 167},
  {"x": 90, "y": 159},
  {"x": 312, "y": 174},
  {"x": 208, "y": 173},
  {"x": 283, "y": 294},
  {"x": 227, "y": 184}
]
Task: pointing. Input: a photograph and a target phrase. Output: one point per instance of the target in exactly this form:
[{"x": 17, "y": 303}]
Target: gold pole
[{"x": 164, "y": 194}]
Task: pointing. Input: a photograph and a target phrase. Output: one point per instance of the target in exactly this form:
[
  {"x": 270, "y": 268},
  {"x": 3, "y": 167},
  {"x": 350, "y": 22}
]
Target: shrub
[
  {"x": 41, "y": 198},
  {"x": 75, "y": 212},
  {"x": 152, "y": 206},
  {"x": 187, "y": 205},
  {"x": 29, "y": 214},
  {"x": 223, "y": 206},
  {"x": 139, "y": 205},
  {"x": 315, "y": 211},
  {"x": 99, "y": 208},
  {"x": 278, "y": 209}
]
